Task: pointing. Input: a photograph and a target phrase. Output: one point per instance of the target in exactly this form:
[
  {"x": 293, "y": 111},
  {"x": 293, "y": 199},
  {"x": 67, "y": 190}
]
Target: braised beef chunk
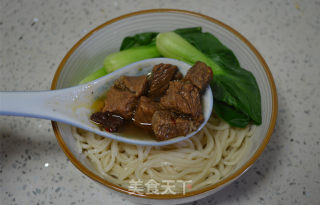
[
  {"x": 183, "y": 97},
  {"x": 135, "y": 84},
  {"x": 109, "y": 121},
  {"x": 144, "y": 112},
  {"x": 167, "y": 125},
  {"x": 200, "y": 75},
  {"x": 161, "y": 75},
  {"x": 163, "y": 103},
  {"x": 121, "y": 102},
  {"x": 177, "y": 76}
]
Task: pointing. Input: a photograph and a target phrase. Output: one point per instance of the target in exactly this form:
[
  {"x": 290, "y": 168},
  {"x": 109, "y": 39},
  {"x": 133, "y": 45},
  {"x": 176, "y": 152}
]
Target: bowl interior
[{"x": 89, "y": 54}]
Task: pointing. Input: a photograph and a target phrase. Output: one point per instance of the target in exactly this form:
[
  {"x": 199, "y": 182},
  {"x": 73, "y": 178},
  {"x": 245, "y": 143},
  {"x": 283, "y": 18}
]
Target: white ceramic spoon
[{"x": 72, "y": 105}]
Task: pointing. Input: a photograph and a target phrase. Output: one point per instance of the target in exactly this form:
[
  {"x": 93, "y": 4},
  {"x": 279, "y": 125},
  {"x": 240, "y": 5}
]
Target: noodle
[{"x": 205, "y": 158}]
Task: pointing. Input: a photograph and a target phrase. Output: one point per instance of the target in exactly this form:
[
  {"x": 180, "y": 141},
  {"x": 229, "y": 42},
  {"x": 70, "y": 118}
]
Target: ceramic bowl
[{"x": 89, "y": 52}]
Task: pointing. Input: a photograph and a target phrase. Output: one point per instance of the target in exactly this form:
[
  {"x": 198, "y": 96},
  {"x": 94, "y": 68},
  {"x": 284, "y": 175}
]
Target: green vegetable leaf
[
  {"x": 182, "y": 31},
  {"x": 237, "y": 87},
  {"x": 128, "y": 42},
  {"x": 139, "y": 39},
  {"x": 229, "y": 114},
  {"x": 209, "y": 45}
]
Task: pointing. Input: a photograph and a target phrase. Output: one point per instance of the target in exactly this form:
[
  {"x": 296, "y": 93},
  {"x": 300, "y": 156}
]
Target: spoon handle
[{"x": 36, "y": 104}]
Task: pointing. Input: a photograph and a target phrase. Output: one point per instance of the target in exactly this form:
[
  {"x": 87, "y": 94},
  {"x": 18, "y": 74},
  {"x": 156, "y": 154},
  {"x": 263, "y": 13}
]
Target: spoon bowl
[{"x": 73, "y": 105}]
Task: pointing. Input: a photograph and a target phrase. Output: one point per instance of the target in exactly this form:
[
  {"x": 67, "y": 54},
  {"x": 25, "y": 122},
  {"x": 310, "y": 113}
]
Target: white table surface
[{"x": 36, "y": 34}]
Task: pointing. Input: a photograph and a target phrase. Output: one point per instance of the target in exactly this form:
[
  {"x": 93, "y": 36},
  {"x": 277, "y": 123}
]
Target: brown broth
[{"x": 128, "y": 130}]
